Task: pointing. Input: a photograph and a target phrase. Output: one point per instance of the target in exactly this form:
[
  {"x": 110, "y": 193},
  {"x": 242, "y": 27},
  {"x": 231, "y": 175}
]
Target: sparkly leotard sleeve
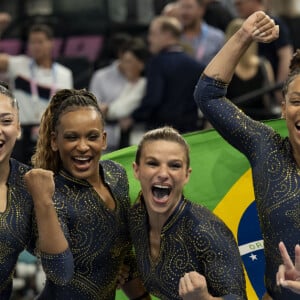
[{"x": 275, "y": 174}]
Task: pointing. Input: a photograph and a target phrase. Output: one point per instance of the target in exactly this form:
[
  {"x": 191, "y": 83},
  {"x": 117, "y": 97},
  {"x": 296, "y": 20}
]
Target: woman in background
[{"x": 251, "y": 74}]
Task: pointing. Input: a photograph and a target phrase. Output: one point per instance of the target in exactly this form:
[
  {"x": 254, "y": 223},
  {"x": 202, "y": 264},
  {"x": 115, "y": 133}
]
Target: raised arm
[
  {"x": 258, "y": 27},
  {"x": 56, "y": 256}
]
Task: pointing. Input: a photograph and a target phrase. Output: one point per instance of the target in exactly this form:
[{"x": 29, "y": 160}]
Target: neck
[
  {"x": 156, "y": 222},
  {"x": 193, "y": 30},
  {"x": 296, "y": 155},
  {"x": 44, "y": 63},
  {"x": 5, "y": 168}
]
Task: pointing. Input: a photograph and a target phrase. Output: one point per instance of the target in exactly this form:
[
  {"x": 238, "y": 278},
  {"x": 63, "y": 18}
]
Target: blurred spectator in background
[
  {"x": 280, "y": 51},
  {"x": 171, "y": 78},
  {"x": 251, "y": 73},
  {"x": 34, "y": 79},
  {"x": 107, "y": 84},
  {"x": 203, "y": 38},
  {"x": 5, "y": 20},
  {"x": 171, "y": 10},
  {"x": 217, "y": 14},
  {"x": 133, "y": 58}
]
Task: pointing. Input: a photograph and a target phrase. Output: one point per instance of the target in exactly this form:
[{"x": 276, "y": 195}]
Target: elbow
[{"x": 59, "y": 268}]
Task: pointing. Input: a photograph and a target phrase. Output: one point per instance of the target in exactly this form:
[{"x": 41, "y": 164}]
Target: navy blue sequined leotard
[
  {"x": 276, "y": 178},
  {"x": 98, "y": 236},
  {"x": 192, "y": 239}
]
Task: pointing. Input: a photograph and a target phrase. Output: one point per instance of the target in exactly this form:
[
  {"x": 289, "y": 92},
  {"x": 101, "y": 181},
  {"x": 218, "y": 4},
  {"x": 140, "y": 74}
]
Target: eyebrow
[
  {"x": 295, "y": 94},
  {"x": 6, "y": 114}
]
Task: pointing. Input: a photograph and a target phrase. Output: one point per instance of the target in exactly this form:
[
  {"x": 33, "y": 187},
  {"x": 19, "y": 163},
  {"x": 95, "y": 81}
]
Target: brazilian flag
[{"x": 220, "y": 180}]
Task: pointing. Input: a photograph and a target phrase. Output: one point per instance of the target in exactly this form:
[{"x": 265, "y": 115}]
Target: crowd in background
[{"x": 145, "y": 73}]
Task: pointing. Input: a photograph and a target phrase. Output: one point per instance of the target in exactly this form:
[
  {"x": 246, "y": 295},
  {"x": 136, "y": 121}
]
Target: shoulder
[
  {"x": 112, "y": 167},
  {"x": 18, "y": 167},
  {"x": 19, "y": 60},
  {"x": 213, "y": 31},
  {"x": 17, "y": 172},
  {"x": 204, "y": 217},
  {"x": 106, "y": 71},
  {"x": 62, "y": 69}
]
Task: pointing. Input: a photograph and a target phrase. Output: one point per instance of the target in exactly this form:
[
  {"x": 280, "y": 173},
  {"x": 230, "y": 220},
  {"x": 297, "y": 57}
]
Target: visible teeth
[
  {"x": 82, "y": 158},
  {"x": 161, "y": 186},
  {"x": 1, "y": 143},
  {"x": 160, "y": 191}
]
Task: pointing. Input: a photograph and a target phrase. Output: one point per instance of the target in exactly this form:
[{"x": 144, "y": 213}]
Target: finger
[
  {"x": 182, "y": 287},
  {"x": 285, "y": 256},
  {"x": 280, "y": 275},
  {"x": 188, "y": 282},
  {"x": 197, "y": 279},
  {"x": 292, "y": 285},
  {"x": 297, "y": 257}
]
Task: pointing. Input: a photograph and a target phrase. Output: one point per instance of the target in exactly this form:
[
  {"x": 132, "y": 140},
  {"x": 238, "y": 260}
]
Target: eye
[
  {"x": 152, "y": 163},
  {"x": 94, "y": 136},
  {"x": 175, "y": 165},
  {"x": 70, "y": 137},
  {"x": 6, "y": 121},
  {"x": 295, "y": 102}
]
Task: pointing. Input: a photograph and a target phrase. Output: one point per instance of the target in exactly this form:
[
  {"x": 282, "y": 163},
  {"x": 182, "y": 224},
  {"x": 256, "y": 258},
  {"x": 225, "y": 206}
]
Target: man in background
[
  {"x": 204, "y": 39},
  {"x": 171, "y": 78},
  {"x": 33, "y": 80}
]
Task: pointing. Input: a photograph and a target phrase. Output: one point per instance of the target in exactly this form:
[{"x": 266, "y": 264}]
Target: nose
[
  {"x": 82, "y": 145},
  {"x": 163, "y": 173}
]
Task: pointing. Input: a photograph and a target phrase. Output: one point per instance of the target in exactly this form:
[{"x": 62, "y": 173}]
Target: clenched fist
[{"x": 40, "y": 184}]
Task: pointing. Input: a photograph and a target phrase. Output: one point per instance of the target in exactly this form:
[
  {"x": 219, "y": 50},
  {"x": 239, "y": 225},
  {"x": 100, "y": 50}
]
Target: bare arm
[
  {"x": 3, "y": 62},
  {"x": 258, "y": 27}
]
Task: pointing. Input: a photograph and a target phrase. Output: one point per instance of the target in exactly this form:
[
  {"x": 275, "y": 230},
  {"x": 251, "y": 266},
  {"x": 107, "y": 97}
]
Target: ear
[
  {"x": 104, "y": 140},
  {"x": 283, "y": 109},
  {"x": 19, "y": 131},
  {"x": 188, "y": 173},
  {"x": 135, "y": 167},
  {"x": 54, "y": 146}
]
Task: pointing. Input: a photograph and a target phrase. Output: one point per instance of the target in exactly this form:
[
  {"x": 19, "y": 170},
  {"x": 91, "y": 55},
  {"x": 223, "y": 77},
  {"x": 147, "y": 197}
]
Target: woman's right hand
[
  {"x": 40, "y": 184},
  {"x": 260, "y": 27}
]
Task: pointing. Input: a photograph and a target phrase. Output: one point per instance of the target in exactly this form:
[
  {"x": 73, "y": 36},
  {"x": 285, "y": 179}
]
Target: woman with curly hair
[{"x": 91, "y": 198}]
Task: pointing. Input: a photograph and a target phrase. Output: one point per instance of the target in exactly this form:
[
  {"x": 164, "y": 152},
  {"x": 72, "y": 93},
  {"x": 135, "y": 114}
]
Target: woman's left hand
[
  {"x": 288, "y": 274},
  {"x": 193, "y": 286}
]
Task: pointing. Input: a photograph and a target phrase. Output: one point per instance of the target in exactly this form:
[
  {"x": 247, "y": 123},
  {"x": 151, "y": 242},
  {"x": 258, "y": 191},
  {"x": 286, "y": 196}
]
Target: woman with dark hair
[
  {"x": 275, "y": 160},
  {"x": 91, "y": 198}
]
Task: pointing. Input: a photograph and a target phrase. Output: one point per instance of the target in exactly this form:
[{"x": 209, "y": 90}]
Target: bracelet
[{"x": 142, "y": 296}]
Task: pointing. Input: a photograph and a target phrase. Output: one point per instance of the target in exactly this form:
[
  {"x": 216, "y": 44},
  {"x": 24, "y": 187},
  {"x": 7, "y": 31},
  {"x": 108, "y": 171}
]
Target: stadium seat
[
  {"x": 12, "y": 46},
  {"x": 88, "y": 46}
]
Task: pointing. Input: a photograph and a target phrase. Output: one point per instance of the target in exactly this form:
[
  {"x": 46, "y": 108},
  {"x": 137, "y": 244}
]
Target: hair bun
[{"x": 295, "y": 61}]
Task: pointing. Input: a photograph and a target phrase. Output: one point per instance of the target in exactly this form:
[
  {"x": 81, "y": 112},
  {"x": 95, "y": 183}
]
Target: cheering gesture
[{"x": 288, "y": 275}]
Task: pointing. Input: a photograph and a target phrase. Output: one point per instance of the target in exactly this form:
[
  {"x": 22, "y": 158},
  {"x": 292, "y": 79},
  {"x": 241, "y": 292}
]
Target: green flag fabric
[{"x": 221, "y": 181}]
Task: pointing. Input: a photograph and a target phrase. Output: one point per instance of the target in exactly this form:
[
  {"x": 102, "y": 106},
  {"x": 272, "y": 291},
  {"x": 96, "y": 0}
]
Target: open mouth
[
  {"x": 1, "y": 144},
  {"x": 297, "y": 125},
  {"x": 82, "y": 161},
  {"x": 160, "y": 191}
]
